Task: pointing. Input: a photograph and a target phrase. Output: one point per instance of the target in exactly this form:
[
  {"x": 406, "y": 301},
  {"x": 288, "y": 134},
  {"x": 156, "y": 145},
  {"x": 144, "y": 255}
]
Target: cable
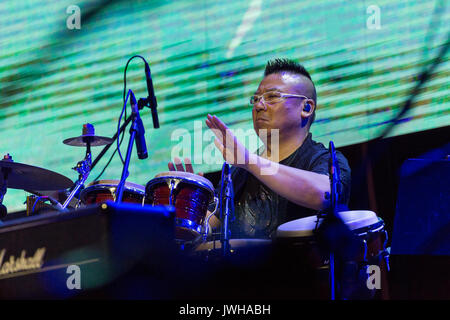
[
  {"x": 125, "y": 116},
  {"x": 118, "y": 124},
  {"x": 37, "y": 200}
]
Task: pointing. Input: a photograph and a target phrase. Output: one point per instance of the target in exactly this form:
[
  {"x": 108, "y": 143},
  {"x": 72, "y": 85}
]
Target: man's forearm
[{"x": 301, "y": 187}]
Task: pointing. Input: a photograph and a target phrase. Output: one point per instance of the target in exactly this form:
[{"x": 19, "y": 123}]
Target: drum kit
[{"x": 191, "y": 195}]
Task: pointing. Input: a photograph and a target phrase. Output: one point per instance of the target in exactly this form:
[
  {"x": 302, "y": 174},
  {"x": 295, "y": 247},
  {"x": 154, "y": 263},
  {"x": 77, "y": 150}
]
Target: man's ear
[{"x": 307, "y": 111}]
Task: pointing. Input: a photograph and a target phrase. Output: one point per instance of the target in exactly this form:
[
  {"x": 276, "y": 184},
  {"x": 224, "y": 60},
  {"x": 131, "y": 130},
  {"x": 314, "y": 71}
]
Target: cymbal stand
[{"x": 84, "y": 169}]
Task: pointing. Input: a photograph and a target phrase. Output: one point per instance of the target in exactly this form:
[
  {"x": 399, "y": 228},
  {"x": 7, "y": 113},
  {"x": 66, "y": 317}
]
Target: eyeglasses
[{"x": 273, "y": 97}]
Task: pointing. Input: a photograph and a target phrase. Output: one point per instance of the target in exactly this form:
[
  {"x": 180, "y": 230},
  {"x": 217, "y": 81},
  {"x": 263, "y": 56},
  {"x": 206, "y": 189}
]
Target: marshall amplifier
[{"x": 103, "y": 251}]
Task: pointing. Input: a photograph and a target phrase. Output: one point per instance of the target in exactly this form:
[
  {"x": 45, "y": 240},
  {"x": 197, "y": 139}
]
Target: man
[{"x": 285, "y": 101}]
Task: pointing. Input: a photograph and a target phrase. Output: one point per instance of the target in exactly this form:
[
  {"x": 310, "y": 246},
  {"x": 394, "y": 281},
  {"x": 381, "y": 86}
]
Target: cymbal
[
  {"x": 81, "y": 141},
  {"x": 88, "y": 135},
  {"x": 24, "y": 176}
]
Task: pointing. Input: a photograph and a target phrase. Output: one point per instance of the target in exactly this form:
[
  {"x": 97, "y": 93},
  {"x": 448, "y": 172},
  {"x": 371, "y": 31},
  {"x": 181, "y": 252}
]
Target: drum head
[
  {"x": 357, "y": 219},
  {"x": 186, "y": 177},
  {"x": 299, "y": 228},
  {"x": 304, "y": 227}
]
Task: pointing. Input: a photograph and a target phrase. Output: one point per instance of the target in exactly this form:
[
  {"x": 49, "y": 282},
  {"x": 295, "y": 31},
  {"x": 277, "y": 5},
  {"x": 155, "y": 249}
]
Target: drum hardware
[
  {"x": 137, "y": 128},
  {"x": 26, "y": 177},
  {"x": 83, "y": 167},
  {"x": 173, "y": 185},
  {"x": 103, "y": 190},
  {"x": 365, "y": 251},
  {"x": 207, "y": 227},
  {"x": 386, "y": 251}
]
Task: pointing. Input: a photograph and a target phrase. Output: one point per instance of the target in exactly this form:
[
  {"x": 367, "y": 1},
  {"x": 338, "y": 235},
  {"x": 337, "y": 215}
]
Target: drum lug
[
  {"x": 365, "y": 251},
  {"x": 386, "y": 258},
  {"x": 206, "y": 223},
  {"x": 386, "y": 239},
  {"x": 386, "y": 251},
  {"x": 172, "y": 187}
]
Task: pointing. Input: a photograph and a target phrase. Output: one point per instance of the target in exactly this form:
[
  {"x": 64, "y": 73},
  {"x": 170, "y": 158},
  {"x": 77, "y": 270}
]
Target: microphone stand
[
  {"x": 150, "y": 102},
  {"x": 134, "y": 129},
  {"x": 229, "y": 208},
  {"x": 334, "y": 174},
  {"x": 142, "y": 102}
]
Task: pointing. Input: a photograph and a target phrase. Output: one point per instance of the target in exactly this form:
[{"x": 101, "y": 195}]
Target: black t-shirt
[{"x": 259, "y": 210}]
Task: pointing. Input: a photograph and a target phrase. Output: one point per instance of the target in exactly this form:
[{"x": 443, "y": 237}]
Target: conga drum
[
  {"x": 298, "y": 238},
  {"x": 104, "y": 190},
  {"x": 190, "y": 194}
]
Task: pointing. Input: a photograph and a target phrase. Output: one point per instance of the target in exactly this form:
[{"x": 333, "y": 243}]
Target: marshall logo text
[{"x": 21, "y": 263}]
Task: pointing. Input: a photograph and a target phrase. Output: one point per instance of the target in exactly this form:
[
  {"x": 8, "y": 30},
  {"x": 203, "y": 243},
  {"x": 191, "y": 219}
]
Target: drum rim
[
  {"x": 189, "y": 225},
  {"x": 374, "y": 227},
  {"x": 309, "y": 233},
  {"x": 191, "y": 178},
  {"x": 114, "y": 183},
  {"x": 102, "y": 184},
  {"x": 369, "y": 216},
  {"x": 289, "y": 233}
]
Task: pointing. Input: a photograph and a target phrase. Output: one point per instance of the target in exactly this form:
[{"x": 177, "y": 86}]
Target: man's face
[{"x": 285, "y": 115}]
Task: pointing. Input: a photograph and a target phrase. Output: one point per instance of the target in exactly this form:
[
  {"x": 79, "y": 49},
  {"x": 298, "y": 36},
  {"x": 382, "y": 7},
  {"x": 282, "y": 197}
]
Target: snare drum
[
  {"x": 189, "y": 193},
  {"x": 298, "y": 236},
  {"x": 103, "y": 190}
]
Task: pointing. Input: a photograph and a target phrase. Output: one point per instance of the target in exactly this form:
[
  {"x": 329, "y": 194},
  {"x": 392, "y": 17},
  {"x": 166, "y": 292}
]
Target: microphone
[
  {"x": 151, "y": 99},
  {"x": 141, "y": 146}
]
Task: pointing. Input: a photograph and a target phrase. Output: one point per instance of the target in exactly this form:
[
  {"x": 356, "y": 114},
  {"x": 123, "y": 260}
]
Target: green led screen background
[{"x": 207, "y": 57}]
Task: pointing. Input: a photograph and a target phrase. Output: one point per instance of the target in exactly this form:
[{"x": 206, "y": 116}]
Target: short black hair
[{"x": 287, "y": 65}]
